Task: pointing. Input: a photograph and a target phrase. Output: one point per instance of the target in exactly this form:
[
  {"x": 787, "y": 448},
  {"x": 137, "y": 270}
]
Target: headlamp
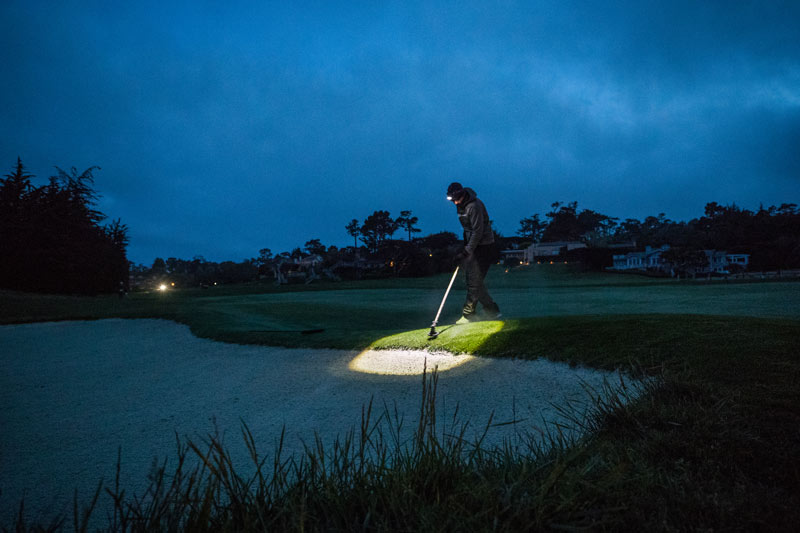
[{"x": 455, "y": 191}]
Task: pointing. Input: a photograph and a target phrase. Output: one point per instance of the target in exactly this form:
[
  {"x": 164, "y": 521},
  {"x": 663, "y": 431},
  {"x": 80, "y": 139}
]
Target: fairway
[
  {"x": 356, "y": 316},
  {"x": 528, "y": 294},
  {"x": 353, "y": 315}
]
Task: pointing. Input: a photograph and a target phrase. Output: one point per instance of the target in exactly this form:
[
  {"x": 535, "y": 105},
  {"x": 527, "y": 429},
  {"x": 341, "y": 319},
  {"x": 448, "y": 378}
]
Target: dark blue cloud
[{"x": 222, "y": 130}]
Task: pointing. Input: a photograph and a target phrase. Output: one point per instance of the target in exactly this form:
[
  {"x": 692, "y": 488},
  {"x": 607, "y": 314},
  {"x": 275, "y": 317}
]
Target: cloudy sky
[{"x": 221, "y": 130}]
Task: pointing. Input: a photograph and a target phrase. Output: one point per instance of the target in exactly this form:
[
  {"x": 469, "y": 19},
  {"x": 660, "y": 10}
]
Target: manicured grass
[
  {"x": 355, "y": 314},
  {"x": 714, "y": 444}
]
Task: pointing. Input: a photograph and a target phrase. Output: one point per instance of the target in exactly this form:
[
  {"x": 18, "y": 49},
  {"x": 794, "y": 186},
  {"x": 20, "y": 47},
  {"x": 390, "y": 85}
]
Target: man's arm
[{"x": 478, "y": 224}]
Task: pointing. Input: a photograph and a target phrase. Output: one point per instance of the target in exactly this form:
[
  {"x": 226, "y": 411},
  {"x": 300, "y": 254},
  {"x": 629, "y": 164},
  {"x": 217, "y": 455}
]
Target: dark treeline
[
  {"x": 195, "y": 272},
  {"x": 374, "y": 254},
  {"x": 390, "y": 257},
  {"x": 770, "y": 235},
  {"x": 52, "y": 239}
]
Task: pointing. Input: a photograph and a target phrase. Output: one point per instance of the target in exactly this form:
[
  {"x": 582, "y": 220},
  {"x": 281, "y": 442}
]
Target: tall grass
[{"x": 380, "y": 476}]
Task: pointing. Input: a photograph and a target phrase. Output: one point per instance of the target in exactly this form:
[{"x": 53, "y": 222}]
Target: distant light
[
  {"x": 430, "y": 255},
  {"x": 162, "y": 287},
  {"x": 520, "y": 262},
  {"x": 173, "y": 283},
  {"x": 551, "y": 262},
  {"x": 215, "y": 283}
]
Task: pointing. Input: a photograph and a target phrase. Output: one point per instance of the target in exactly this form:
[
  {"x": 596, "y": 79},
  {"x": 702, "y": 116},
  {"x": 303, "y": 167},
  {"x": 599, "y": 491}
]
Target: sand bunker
[{"x": 73, "y": 393}]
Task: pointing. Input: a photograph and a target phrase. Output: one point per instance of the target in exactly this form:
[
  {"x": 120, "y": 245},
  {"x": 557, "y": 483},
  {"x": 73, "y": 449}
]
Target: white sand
[{"x": 72, "y": 393}]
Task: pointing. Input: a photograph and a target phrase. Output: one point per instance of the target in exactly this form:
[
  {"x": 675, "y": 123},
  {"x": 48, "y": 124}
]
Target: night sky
[{"x": 224, "y": 130}]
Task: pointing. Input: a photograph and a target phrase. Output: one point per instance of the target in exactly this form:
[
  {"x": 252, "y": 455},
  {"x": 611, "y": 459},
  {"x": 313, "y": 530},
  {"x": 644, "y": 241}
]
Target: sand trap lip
[{"x": 73, "y": 393}]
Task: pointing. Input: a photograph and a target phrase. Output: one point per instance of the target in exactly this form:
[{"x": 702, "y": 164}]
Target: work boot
[
  {"x": 492, "y": 312},
  {"x": 463, "y": 320}
]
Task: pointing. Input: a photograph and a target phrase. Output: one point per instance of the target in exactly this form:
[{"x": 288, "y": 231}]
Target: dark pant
[{"x": 476, "y": 266}]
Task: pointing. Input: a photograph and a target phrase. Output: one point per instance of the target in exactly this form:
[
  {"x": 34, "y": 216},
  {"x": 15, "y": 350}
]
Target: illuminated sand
[
  {"x": 406, "y": 362},
  {"x": 72, "y": 393}
]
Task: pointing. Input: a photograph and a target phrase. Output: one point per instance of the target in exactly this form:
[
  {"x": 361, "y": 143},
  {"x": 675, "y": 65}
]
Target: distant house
[
  {"x": 510, "y": 256},
  {"x": 649, "y": 259},
  {"x": 301, "y": 270},
  {"x": 549, "y": 249},
  {"x": 720, "y": 262},
  {"x": 310, "y": 260},
  {"x": 741, "y": 260},
  {"x": 717, "y": 262}
]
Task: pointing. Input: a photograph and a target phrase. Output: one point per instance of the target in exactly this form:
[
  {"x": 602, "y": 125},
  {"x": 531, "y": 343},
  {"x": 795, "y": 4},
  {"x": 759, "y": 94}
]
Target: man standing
[{"x": 479, "y": 250}]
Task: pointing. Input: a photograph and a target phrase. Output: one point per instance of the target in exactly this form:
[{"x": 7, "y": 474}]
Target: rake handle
[{"x": 439, "y": 312}]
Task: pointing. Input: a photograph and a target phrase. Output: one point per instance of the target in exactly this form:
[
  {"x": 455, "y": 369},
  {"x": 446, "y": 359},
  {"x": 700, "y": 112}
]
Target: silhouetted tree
[
  {"x": 628, "y": 230},
  {"x": 531, "y": 228},
  {"x": 354, "y": 230},
  {"x": 563, "y": 225},
  {"x": 407, "y": 222},
  {"x": 315, "y": 247},
  {"x": 16, "y": 224},
  {"x": 51, "y": 238},
  {"x": 15, "y": 190},
  {"x": 159, "y": 266},
  {"x": 659, "y": 230},
  {"x": 377, "y": 228},
  {"x": 118, "y": 233},
  {"x": 264, "y": 256},
  {"x": 567, "y": 224},
  {"x": 592, "y": 221}
]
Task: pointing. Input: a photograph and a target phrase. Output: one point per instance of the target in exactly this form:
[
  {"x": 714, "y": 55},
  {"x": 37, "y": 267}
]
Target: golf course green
[{"x": 356, "y": 314}]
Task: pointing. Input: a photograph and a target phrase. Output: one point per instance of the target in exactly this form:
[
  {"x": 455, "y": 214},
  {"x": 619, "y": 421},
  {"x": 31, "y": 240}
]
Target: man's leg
[
  {"x": 472, "y": 270},
  {"x": 486, "y": 256}
]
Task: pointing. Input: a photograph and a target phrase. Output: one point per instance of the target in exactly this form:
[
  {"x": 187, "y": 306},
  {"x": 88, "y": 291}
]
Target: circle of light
[{"x": 405, "y": 362}]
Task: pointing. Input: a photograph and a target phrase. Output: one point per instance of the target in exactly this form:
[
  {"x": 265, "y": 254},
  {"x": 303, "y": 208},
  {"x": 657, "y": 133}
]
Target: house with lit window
[
  {"x": 649, "y": 259},
  {"x": 740, "y": 260},
  {"x": 717, "y": 261},
  {"x": 513, "y": 256}
]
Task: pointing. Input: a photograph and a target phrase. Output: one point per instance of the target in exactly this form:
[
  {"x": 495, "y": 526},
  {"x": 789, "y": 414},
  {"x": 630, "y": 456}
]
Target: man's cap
[{"x": 455, "y": 191}]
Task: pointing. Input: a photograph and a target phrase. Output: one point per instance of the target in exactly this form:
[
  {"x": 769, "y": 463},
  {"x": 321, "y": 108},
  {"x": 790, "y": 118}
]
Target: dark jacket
[{"x": 475, "y": 221}]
